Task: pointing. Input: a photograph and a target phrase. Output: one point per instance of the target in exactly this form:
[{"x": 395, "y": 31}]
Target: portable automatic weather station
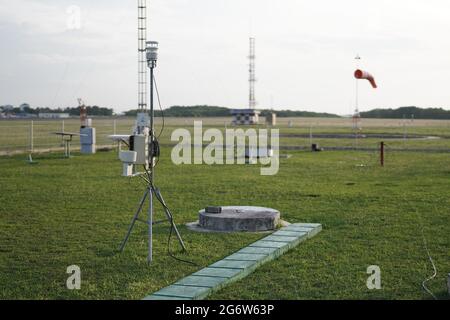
[{"x": 143, "y": 144}]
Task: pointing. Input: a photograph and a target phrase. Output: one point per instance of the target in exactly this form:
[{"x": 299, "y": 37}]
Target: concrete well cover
[{"x": 236, "y": 218}]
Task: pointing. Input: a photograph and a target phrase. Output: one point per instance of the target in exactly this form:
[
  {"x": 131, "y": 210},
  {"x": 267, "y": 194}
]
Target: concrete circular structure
[{"x": 240, "y": 219}]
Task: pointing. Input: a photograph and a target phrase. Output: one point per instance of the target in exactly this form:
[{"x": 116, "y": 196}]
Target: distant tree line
[
  {"x": 407, "y": 112},
  {"x": 91, "y": 110},
  {"x": 213, "y": 111},
  {"x": 303, "y": 114},
  {"x": 189, "y": 111}
]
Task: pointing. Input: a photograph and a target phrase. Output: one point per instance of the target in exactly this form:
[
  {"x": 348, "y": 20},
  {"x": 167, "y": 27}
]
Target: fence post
[
  {"x": 62, "y": 130},
  {"x": 114, "y": 126},
  {"x": 31, "y": 136},
  {"x": 405, "y": 131},
  {"x": 30, "y": 154},
  {"x": 382, "y": 153}
]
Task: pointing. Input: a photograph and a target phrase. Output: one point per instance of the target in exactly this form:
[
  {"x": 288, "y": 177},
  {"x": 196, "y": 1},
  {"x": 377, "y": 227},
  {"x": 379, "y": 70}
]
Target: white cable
[
  {"x": 424, "y": 283},
  {"x": 425, "y": 245}
]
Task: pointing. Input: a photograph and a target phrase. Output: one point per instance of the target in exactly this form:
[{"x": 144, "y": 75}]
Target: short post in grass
[
  {"x": 62, "y": 130},
  {"x": 30, "y": 157},
  {"x": 382, "y": 145},
  {"x": 114, "y": 133},
  {"x": 448, "y": 284}
]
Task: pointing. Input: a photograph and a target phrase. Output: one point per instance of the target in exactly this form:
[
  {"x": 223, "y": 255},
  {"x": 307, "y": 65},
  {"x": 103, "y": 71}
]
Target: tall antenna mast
[
  {"x": 252, "y": 78},
  {"x": 142, "y": 67}
]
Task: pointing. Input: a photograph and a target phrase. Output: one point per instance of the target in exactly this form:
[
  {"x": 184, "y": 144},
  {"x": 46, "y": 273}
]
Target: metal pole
[
  {"x": 150, "y": 225},
  {"x": 30, "y": 155},
  {"x": 356, "y": 123},
  {"x": 405, "y": 133},
  {"x": 150, "y": 209},
  {"x": 62, "y": 130},
  {"x": 152, "y": 114},
  {"x": 114, "y": 133},
  {"x": 136, "y": 215},
  {"x": 152, "y": 125},
  {"x": 32, "y": 136}
]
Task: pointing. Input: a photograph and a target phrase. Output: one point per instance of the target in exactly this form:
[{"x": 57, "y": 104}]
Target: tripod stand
[{"x": 150, "y": 193}]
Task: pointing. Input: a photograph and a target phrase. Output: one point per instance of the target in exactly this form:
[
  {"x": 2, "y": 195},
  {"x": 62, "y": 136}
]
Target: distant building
[
  {"x": 245, "y": 116},
  {"x": 54, "y": 115},
  {"x": 25, "y": 115}
]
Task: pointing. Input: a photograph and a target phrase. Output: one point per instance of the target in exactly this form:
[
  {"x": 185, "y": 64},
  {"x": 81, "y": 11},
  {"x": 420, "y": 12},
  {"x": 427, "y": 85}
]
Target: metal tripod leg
[
  {"x": 135, "y": 218},
  {"x": 180, "y": 240},
  {"x": 170, "y": 219},
  {"x": 150, "y": 225}
]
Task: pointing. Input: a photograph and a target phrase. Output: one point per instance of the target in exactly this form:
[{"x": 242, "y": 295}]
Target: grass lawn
[
  {"x": 63, "y": 212},
  {"x": 15, "y": 134}
]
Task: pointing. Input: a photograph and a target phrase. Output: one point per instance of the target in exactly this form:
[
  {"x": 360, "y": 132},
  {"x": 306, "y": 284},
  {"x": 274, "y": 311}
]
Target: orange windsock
[{"x": 360, "y": 74}]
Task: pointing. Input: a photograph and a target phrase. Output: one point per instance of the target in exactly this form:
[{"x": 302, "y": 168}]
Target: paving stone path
[{"x": 202, "y": 283}]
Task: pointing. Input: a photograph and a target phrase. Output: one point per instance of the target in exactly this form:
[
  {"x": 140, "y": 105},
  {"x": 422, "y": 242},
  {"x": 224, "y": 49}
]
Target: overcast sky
[{"x": 305, "y": 52}]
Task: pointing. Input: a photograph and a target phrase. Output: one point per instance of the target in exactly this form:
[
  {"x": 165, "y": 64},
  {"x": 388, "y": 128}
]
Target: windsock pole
[
  {"x": 356, "y": 121},
  {"x": 357, "y": 59}
]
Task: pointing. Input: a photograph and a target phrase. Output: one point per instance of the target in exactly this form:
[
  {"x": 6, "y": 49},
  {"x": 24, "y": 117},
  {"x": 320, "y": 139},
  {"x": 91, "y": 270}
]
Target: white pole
[
  {"x": 31, "y": 136},
  {"x": 62, "y": 130},
  {"x": 405, "y": 133},
  {"x": 355, "y": 122}
]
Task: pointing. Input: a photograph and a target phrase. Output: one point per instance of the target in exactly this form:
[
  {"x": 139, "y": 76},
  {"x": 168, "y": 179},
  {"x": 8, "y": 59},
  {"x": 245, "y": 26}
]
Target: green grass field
[
  {"x": 15, "y": 134},
  {"x": 62, "y": 212}
]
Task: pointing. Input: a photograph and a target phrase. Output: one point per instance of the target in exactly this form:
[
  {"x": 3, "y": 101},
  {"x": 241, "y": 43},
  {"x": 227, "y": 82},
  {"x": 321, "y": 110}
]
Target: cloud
[{"x": 305, "y": 51}]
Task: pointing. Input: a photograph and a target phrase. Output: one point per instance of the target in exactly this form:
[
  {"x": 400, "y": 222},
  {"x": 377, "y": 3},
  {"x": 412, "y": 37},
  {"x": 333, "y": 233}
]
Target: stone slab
[
  {"x": 256, "y": 250},
  {"x": 217, "y": 272},
  {"x": 232, "y": 264},
  {"x": 268, "y": 244},
  {"x": 185, "y": 292},
  {"x": 246, "y": 257},
  {"x": 289, "y": 233},
  {"x": 163, "y": 298},
  {"x": 276, "y": 238},
  {"x": 200, "y": 281}
]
